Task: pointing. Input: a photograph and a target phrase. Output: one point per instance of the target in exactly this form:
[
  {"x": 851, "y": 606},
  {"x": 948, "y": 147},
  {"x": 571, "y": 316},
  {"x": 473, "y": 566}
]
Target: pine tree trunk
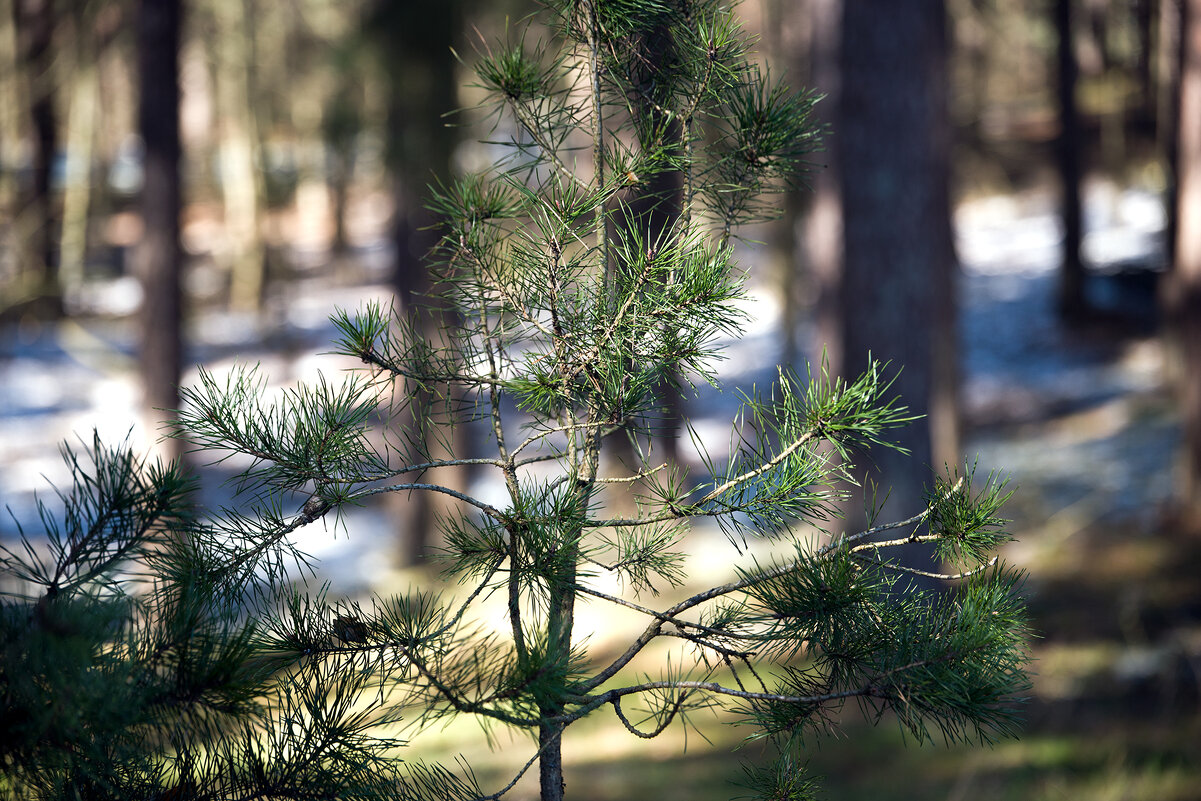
[
  {"x": 77, "y": 191},
  {"x": 789, "y": 41},
  {"x": 1072, "y": 305},
  {"x": 879, "y": 230},
  {"x": 417, "y": 39},
  {"x": 157, "y": 257},
  {"x": 1184, "y": 291},
  {"x": 1170, "y": 60},
  {"x": 35, "y": 22},
  {"x": 242, "y": 185},
  {"x": 550, "y": 763}
]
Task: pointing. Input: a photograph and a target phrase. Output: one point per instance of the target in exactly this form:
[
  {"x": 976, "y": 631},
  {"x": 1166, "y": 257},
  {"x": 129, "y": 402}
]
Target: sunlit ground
[{"x": 1112, "y": 715}]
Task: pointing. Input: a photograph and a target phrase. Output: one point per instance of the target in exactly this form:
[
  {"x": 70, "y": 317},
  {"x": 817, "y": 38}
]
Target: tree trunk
[
  {"x": 653, "y": 205},
  {"x": 1144, "y": 66},
  {"x": 1183, "y": 296},
  {"x": 1170, "y": 59},
  {"x": 11, "y": 103},
  {"x": 789, "y": 41},
  {"x": 242, "y": 186},
  {"x": 34, "y": 234},
  {"x": 77, "y": 188},
  {"x": 880, "y": 239},
  {"x": 1072, "y": 303},
  {"x": 416, "y": 41},
  {"x": 550, "y": 763},
  {"x": 157, "y": 257}
]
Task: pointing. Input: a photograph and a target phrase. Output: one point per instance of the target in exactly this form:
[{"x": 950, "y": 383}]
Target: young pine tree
[{"x": 591, "y": 274}]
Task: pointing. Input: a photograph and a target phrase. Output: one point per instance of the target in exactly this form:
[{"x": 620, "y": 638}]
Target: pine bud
[{"x": 313, "y": 508}]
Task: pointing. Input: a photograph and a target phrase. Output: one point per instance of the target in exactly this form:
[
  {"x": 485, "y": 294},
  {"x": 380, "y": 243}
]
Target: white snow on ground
[{"x": 58, "y": 385}]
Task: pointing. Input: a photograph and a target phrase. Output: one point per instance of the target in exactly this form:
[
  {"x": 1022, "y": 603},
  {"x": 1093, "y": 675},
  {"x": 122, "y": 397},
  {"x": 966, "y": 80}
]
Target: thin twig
[
  {"x": 486, "y": 508},
  {"x": 654, "y": 628},
  {"x": 694, "y": 509},
  {"x": 661, "y": 616},
  {"x": 630, "y": 727},
  {"x": 595, "y": 702},
  {"x": 928, "y": 574}
]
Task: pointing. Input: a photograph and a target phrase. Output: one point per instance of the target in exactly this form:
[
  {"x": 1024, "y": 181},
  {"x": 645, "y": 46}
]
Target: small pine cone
[{"x": 350, "y": 630}]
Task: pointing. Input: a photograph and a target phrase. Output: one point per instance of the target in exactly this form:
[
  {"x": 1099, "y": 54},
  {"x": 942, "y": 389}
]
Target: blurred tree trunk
[
  {"x": 882, "y": 250},
  {"x": 157, "y": 257},
  {"x": 1144, "y": 66},
  {"x": 1170, "y": 59},
  {"x": 34, "y": 236},
  {"x": 1071, "y": 300},
  {"x": 81, "y": 124},
  {"x": 242, "y": 185},
  {"x": 1183, "y": 295},
  {"x": 416, "y": 40},
  {"x": 653, "y": 205},
  {"x": 788, "y": 41},
  {"x": 341, "y": 124},
  {"x": 11, "y": 103}
]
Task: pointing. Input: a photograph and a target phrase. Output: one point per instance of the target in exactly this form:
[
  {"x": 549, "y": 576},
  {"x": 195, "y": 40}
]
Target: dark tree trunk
[
  {"x": 896, "y": 298},
  {"x": 1071, "y": 300},
  {"x": 1144, "y": 67},
  {"x": 1183, "y": 295},
  {"x": 654, "y": 205},
  {"x": 34, "y": 22},
  {"x": 418, "y": 36},
  {"x": 157, "y": 257},
  {"x": 1167, "y": 116}
]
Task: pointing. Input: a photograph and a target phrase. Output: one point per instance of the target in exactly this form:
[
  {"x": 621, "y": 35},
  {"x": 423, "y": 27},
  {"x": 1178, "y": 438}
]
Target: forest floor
[{"x": 1079, "y": 419}]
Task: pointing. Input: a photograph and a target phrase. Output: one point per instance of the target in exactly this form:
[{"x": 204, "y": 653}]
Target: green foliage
[
  {"x": 135, "y": 662},
  {"x": 575, "y": 317}
]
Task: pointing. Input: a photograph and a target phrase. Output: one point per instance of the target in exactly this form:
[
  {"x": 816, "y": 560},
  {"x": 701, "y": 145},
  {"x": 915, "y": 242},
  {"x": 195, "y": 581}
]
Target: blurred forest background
[{"x": 1009, "y": 205}]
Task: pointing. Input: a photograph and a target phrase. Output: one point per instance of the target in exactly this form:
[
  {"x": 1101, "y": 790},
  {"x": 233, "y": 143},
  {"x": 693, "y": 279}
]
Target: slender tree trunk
[
  {"x": 35, "y": 23},
  {"x": 1071, "y": 300},
  {"x": 823, "y": 227},
  {"x": 158, "y": 256},
  {"x": 1170, "y": 58},
  {"x": 550, "y": 763},
  {"x": 338, "y": 176},
  {"x": 789, "y": 41},
  {"x": 242, "y": 185},
  {"x": 1145, "y": 18},
  {"x": 77, "y": 189},
  {"x": 1184, "y": 291},
  {"x": 11, "y": 103},
  {"x": 653, "y": 205}
]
